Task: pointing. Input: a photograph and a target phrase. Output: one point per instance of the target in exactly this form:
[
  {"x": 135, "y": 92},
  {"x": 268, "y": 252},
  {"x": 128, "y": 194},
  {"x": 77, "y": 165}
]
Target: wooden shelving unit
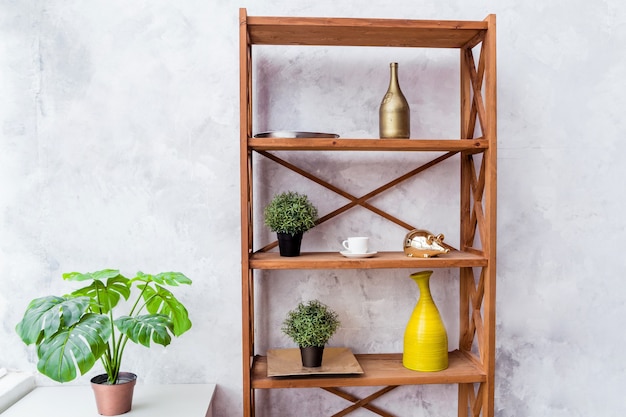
[{"x": 472, "y": 365}]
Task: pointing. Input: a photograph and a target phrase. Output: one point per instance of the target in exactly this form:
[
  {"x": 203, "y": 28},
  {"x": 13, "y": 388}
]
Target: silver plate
[{"x": 293, "y": 134}]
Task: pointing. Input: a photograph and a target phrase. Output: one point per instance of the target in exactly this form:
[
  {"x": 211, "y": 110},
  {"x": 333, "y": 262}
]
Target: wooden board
[{"x": 336, "y": 361}]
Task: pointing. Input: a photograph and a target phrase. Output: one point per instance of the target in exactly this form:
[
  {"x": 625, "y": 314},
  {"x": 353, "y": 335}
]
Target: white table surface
[
  {"x": 178, "y": 400},
  {"x": 13, "y": 386}
]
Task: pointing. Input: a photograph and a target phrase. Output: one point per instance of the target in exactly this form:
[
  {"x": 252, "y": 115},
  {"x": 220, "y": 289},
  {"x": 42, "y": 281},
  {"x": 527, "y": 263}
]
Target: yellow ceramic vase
[{"x": 425, "y": 337}]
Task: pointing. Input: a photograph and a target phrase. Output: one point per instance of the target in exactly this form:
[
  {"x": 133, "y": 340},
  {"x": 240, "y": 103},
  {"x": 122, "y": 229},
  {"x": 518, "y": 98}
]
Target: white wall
[{"x": 119, "y": 148}]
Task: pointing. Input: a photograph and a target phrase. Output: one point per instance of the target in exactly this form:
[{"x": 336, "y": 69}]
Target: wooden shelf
[
  {"x": 382, "y": 260},
  {"x": 379, "y": 369},
  {"x": 344, "y": 144},
  {"x": 364, "y": 32}
]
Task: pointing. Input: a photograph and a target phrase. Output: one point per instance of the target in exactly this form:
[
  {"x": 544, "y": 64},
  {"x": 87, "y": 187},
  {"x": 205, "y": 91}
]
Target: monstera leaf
[
  {"x": 45, "y": 316},
  {"x": 164, "y": 278},
  {"x": 142, "y": 329},
  {"x": 78, "y": 346},
  {"x": 161, "y": 301},
  {"x": 88, "y": 276},
  {"x": 104, "y": 296}
]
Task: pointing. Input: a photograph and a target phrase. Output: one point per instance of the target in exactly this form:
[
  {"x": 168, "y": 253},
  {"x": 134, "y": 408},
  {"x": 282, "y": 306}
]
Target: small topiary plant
[
  {"x": 291, "y": 213},
  {"x": 311, "y": 324}
]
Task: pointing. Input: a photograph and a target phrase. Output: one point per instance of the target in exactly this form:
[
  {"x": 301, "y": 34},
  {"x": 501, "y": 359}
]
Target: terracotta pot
[
  {"x": 312, "y": 356},
  {"x": 114, "y": 399}
]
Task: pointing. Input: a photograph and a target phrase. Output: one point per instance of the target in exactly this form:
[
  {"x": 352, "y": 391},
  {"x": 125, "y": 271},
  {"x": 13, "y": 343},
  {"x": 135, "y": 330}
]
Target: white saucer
[{"x": 348, "y": 254}]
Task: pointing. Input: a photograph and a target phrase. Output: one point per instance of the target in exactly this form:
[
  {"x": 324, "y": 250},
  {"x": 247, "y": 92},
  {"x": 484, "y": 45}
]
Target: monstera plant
[{"x": 72, "y": 332}]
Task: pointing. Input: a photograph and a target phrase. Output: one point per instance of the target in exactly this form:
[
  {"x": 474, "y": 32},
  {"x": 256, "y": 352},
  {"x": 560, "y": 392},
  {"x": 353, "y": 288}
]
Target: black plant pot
[
  {"x": 289, "y": 245},
  {"x": 312, "y": 356}
]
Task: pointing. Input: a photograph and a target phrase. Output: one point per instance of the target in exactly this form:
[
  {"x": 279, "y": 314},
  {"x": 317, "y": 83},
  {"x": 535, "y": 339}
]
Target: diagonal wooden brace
[
  {"x": 361, "y": 403},
  {"x": 354, "y": 201}
]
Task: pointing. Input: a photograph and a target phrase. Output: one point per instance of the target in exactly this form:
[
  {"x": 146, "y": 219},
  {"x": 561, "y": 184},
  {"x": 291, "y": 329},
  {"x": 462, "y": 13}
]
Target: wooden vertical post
[
  {"x": 490, "y": 158},
  {"x": 245, "y": 166}
]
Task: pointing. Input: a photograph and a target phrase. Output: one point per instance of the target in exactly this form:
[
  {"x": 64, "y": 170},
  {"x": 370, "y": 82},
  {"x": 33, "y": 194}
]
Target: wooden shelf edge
[
  {"x": 349, "y": 144},
  {"x": 275, "y": 30},
  {"x": 364, "y": 23},
  {"x": 382, "y": 260},
  {"x": 379, "y": 369}
]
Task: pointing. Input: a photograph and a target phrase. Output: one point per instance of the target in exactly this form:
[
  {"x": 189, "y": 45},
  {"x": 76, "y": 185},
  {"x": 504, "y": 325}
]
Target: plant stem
[
  {"x": 132, "y": 310},
  {"x": 113, "y": 368},
  {"x": 117, "y": 346}
]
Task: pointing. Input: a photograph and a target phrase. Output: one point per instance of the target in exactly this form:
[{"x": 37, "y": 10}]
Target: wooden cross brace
[
  {"x": 361, "y": 403},
  {"x": 354, "y": 201}
]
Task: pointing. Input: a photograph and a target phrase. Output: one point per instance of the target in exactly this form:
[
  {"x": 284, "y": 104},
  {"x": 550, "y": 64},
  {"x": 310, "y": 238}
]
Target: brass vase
[
  {"x": 394, "y": 112},
  {"x": 425, "y": 336}
]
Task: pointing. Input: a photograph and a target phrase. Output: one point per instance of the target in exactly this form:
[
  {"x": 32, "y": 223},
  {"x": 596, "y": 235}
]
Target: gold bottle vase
[
  {"x": 425, "y": 337},
  {"x": 394, "y": 112}
]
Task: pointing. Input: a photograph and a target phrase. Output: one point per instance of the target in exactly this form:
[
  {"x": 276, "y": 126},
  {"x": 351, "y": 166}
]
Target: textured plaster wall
[{"x": 119, "y": 148}]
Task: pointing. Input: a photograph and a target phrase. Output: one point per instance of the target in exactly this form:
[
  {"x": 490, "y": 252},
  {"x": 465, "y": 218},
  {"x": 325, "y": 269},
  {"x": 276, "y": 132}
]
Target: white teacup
[{"x": 356, "y": 244}]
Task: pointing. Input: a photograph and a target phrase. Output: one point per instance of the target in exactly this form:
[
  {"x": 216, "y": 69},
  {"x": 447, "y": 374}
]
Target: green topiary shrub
[
  {"x": 291, "y": 213},
  {"x": 311, "y": 324}
]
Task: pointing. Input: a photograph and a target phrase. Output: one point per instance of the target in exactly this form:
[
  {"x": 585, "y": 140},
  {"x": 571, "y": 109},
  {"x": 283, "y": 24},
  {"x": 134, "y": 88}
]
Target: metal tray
[{"x": 295, "y": 134}]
